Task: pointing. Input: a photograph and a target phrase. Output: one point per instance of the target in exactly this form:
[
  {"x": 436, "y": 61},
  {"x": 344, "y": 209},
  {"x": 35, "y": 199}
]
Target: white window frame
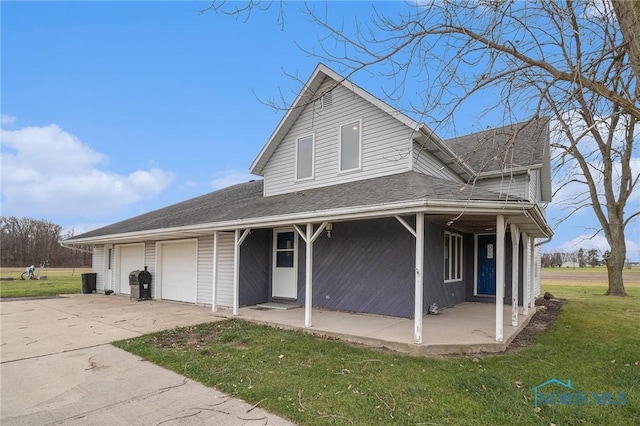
[
  {"x": 313, "y": 156},
  {"x": 359, "y": 166},
  {"x": 449, "y": 273}
]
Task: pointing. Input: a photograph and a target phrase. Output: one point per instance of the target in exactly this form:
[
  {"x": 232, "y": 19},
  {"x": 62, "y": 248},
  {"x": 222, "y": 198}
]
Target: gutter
[
  {"x": 381, "y": 210},
  {"x": 67, "y": 246}
]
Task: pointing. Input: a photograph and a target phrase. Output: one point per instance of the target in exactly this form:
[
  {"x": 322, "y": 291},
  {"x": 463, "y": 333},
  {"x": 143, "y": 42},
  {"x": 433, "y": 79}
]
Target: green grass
[
  {"x": 595, "y": 342},
  {"x": 59, "y": 281}
]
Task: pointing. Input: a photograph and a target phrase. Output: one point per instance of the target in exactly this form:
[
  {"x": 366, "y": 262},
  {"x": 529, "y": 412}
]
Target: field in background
[{"x": 58, "y": 281}]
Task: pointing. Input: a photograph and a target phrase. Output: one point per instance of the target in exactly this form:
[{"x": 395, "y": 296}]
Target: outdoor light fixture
[{"x": 329, "y": 229}]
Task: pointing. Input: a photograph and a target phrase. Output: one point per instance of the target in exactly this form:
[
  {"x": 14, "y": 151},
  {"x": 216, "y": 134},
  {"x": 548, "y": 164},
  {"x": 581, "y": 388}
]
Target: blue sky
[{"x": 113, "y": 109}]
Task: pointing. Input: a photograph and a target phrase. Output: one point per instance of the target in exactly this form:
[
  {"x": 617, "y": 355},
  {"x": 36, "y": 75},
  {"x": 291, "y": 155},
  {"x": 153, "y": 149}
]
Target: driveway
[{"x": 57, "y": 367}]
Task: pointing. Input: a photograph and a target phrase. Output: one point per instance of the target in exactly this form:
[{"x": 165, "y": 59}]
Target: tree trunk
[{"x": 615, "y": 262}]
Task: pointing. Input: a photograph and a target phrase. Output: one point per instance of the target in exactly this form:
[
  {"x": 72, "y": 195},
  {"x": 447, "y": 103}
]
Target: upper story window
[
  {"x": 350, "y": 146},
  {"x": 452, "y": 257},
  {"x": 304, "y": 157}
]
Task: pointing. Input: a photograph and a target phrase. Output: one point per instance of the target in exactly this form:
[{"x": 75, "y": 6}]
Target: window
[
  {"x": 350, "y": 145},
  {"x": 304, "y": 157},
  {"x": 285, "y": 249},
  {"x": 452, "y": 257}
]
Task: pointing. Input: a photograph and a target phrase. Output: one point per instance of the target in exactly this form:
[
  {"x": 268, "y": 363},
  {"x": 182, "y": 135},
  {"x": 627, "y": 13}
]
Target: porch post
[
  {"x": 214, "y": 290},
  {"x": 308, "y": 286},
  {"x": 309, "y": 238},
  {"x": 240, "y": 237},
  {"x": 515, "y": 254},
  {"x": 500, "y": 231},
  {"x": 419, "y": 284},
  {"x": 525, "y": 273}
]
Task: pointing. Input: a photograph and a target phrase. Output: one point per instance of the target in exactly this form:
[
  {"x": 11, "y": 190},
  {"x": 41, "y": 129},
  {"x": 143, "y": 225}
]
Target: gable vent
[{"x": 327, "y": 100}]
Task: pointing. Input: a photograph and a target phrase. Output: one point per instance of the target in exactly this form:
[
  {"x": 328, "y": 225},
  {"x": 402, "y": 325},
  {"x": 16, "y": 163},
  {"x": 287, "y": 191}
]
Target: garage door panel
[{"x": 179, "y": 271}]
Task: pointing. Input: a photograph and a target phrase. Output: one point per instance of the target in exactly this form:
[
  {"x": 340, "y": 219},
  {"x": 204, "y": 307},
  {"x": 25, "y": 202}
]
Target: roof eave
[{"x": 349, "y": 213}]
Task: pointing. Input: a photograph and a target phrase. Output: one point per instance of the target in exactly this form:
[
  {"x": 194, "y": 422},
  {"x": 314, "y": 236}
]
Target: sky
[{"x": 114, "y": 109}]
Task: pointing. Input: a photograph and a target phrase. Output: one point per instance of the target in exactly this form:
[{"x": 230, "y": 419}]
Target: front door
[
  {"x": 285, "y": 264},
  {"x": 486, "y": 285}
]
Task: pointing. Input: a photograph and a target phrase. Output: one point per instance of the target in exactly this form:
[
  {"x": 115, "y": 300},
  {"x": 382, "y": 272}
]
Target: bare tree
[{"x": 566, "y": 60}]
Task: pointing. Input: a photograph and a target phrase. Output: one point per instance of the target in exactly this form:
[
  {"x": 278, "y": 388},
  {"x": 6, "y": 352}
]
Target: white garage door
[
  {"x": 130, "y": 258},
  {"x": 179, "y": 271}
]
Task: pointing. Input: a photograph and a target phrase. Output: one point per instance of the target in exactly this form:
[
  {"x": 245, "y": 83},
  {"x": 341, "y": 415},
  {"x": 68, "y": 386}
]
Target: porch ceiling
[{"x": 482, "y": 224}]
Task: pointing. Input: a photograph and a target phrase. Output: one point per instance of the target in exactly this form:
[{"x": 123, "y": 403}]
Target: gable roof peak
[{"x": 308, "y": 94}]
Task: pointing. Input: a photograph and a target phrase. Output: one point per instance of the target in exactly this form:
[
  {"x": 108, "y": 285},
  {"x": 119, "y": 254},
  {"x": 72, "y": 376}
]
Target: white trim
[
  {"x": 500, "y": 251},
  {"x": 526, "y": 278},
  {"x": 296, "y": 231},
  {"x": 360, "y": 144},
  {"x": 313, "y": 157},
  {"x": 214, "y": 284},
  {"x": 515, "y": 259},
  {"x": 450, "y": 235},
  {"x": 419, "y": 280},
  {"x": 239, "y": 239}
]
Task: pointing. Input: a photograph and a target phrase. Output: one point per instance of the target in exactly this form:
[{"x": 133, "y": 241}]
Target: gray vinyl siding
[
  {"x": 534, "y": 186},
  {"x": 537, "y": 261},
  {"x": 98, "y": 266},
  {"x": 386, "y": 144},
  {"x": 255, "y": 267},
  {"x": 516, "y": 185},
  {"x": 224, "y": 269},
  {"x": 368, "y": 266},
  {"x": 425, "y": 163},
  {"x": 205, "y": 270},
  {"x": 150, "y": 263}
]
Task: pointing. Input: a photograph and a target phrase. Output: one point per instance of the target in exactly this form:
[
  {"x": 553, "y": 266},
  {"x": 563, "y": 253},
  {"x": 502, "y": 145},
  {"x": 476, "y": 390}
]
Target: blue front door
[{"x": 486, "y": 265}]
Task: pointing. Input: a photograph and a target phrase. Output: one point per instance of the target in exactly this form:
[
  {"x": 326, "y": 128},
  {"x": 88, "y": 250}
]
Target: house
[{"x": 361, "y": 209}]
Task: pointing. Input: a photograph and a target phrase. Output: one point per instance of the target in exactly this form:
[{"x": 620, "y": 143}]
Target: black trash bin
[{"x": 89, "y": 283}]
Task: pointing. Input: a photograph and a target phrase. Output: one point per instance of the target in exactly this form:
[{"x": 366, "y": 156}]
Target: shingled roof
[
  {"x": 244, "y": 202},
  {"x": 500, "y": 149}
]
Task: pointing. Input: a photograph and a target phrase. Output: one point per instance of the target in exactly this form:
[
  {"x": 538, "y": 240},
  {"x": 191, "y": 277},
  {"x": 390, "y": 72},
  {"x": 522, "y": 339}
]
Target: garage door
[
  {"x": 179, "y": 271},
  {"x": 130, "y": 258}
]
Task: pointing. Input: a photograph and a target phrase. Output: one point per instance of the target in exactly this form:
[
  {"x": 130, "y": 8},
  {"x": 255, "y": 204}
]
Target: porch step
[{"x": 275, "y": 305}]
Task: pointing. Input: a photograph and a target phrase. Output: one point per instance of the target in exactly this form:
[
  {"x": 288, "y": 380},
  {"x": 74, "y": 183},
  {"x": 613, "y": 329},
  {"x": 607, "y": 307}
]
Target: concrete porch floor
[{"x": 464, "y": 328}]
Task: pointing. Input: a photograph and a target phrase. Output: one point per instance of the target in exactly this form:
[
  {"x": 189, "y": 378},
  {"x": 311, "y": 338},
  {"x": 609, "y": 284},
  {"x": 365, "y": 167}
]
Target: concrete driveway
[{"x": 57, "y": 367}]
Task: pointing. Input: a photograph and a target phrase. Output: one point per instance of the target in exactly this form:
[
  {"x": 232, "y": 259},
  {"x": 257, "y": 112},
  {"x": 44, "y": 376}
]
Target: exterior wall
[
  {"x": 534, "y": 186},
  {"x": 368, "y": 266},
  {"x": 517, "y": 185},
  {"x": 224, "y": 269},
  {"x": 386, "y": 144},
  {"x": 424, "y": 162},
  {"x": 98, "y": 266},
  {"x": 205, "y": 270},
  {"x": 537, "y": 265},
  {"x": 255, "y": 267}
]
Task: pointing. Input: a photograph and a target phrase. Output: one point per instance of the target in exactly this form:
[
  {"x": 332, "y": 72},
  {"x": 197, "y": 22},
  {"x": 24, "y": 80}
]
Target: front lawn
[
  {"x": 58, "y": 281},
  {"x": 595, "y": 343}
]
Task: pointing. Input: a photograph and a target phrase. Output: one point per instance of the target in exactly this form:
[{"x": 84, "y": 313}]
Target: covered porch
[{"x": 465, "y": 328}]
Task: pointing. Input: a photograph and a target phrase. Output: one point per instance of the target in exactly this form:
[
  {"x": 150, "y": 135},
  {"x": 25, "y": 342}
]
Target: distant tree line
[
  {"x": 26, "y": 241},
  {"x": 577, "y": 259}
]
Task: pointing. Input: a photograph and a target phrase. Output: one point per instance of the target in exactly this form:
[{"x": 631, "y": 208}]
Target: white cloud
[
  {"x": 46, "y": 171},
  {"x": 7, "y": 120},
  {"x": 230, "y": 177}
]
